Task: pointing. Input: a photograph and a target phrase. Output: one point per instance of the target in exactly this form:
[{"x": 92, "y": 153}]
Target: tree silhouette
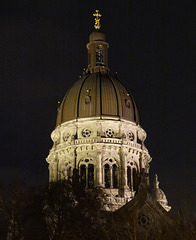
[{"x": 65, "y": 210}]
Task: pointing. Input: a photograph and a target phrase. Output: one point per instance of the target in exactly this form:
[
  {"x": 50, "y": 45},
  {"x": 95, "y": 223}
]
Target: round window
[
  {"x": 86, "y": 132},
  {"x": 144, "y": 220},
  {"x": 66, "y": 136},
  {"x": 130, "y": 135},
  {"x": 109, "y": 133}
]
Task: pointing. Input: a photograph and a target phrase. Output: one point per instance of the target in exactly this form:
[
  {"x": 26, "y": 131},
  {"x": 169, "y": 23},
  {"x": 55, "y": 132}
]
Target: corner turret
[{"x": 159, "y": 195}]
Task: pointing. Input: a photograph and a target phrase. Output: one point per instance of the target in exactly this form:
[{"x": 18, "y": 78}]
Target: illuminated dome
[
  {"x": 97, "y": 95},
  {"x": 98, "y": 138}
]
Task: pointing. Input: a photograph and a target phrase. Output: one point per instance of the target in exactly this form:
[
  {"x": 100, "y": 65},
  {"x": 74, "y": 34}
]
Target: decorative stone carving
[
  {"x": 87, "y": 99},
  {"x": 144, "y": 220},
  {"x": 142, "y": 135},
  {"x": 127, "y": 103},
  {"x": 97, "y": 139},
  {"x": 55, "y": 136},
  {"x": 66, "y": 136},
  {"x": 86, "y": 132},
  {"x": 130, "y": 136},
  {"x": 109, "y": 133}
]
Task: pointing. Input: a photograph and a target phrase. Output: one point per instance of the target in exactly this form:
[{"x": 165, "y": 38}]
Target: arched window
[
  {"x": 69, "y": 173},
  {"x": 107, "y": 176},
  {"x": 110, "y": 174},
  {"x": 83, "y": 175},
  {"x": 129, "y": 177},
  {"x": 90, "y": 175},
  {"x": 87, "y": 174},
  {"x": 114, "y": 176},
  {"x": 99, "y": 56},
  {"x": 135, "y": 180}
]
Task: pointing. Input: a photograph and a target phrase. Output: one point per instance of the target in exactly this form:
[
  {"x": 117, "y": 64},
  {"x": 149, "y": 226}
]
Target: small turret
[
  {"x": 97, "y": 49},
  {"x": 159, "y": 195}
]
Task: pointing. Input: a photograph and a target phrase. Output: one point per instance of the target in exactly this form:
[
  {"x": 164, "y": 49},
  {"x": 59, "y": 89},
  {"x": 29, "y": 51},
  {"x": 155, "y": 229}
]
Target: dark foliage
[
  {"x": 61, "y": 210},
  {"x": 66, "y": 211}
]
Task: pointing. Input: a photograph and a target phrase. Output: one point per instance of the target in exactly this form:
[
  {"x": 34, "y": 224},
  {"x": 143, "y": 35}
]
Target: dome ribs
[
  {"x": 117, "y": 96},
  {"x": 98, "y": 95},
  {"x": 61, "y": 107},
  {"x": 108, "y": 98},
  {"x": 100, "y": 101},
  {"x": 78, "y": 100},
  {"x": 135, "y": 117}
]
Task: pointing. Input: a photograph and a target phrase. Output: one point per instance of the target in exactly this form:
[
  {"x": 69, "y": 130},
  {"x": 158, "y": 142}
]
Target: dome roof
[
  {"x": 97, "y": 95},
  {"x": 159, "y": 195}
]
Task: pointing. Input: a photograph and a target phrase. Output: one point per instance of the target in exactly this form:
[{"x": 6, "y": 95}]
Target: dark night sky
[{"x": 152, "y": 47}]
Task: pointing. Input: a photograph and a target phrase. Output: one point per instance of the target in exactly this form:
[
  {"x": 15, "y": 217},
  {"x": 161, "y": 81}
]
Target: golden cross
[{"x": 97, "y": 16}]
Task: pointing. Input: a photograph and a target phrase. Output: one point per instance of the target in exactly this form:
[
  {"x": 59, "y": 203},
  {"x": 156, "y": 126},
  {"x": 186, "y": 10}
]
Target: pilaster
[{"x": 99, "y": 177}]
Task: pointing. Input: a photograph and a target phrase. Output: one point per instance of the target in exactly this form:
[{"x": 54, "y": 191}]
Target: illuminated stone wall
[{"x": 105, "y": 152}]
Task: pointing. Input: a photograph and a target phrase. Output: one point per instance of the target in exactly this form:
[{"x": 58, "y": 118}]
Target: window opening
[
  {"x": 107, "y": 176},
  {"x": 87, "y": 175},
  {"x": 90, "y": 175},
  {"x": 129, "y": 176},
  {"x": 86, "y": 132},
  {"x": 69, "y": 173},
  {"x": 135, "y": 180},
  {"x": 115, "y": 176},
  {"x": 83, "y": 175},
  {"x": 99, "y": 56},
  {"x": 109, "y": 133}
]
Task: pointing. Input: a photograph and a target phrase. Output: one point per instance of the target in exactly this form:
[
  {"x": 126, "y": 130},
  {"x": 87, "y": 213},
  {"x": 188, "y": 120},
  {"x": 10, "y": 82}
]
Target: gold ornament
[{"x": 97, "y": 16}]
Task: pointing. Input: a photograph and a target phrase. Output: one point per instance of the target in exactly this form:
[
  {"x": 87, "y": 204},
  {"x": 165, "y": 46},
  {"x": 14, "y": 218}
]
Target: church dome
[
  {"x": 98, "y": 139},
  {"x": 159, "y": 195},
  {"x": 97, "y": 95}
]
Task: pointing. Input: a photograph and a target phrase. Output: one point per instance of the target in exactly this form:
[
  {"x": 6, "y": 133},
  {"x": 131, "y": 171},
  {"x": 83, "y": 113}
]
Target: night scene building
[{"x": 99, "y": 137}]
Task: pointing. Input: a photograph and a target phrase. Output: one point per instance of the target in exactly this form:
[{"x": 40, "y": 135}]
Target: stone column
[
  {"x": 99, "y": 172},
  {"x": 111, "y": 177},
  {"x": 147, "y": 174},
  {"x": 55, "y": 170},
  {"x": 131, "y": 179},
  {"x": 123, "y": 172},
  {"x": 86, "y": 175},
  {"x": 50, "y": 173}
]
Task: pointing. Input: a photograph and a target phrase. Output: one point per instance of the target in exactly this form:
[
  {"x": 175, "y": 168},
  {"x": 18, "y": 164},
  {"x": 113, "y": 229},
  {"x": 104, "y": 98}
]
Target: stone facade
[
  {"x": 98, "y": 136},
  {"x": 106, "y": 153}
]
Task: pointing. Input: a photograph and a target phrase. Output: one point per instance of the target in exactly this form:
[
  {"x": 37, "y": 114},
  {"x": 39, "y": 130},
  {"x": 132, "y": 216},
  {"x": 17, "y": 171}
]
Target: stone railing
[{"x": 96, "y": 140}]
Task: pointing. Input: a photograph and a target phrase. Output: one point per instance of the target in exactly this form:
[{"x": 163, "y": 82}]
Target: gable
[{"x": 145, "y": 218}]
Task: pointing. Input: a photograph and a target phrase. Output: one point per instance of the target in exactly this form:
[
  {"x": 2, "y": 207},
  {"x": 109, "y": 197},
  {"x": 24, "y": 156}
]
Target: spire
[{"x": 97, "y": 48}]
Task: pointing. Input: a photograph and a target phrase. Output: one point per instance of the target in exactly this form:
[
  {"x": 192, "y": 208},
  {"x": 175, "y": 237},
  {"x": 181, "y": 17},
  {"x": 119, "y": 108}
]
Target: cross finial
[{"x": 97, "y": 16}]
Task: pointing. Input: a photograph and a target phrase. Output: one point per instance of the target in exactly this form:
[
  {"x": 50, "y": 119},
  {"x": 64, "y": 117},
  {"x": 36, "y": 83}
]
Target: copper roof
[{"x": 97, "y": 95}]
